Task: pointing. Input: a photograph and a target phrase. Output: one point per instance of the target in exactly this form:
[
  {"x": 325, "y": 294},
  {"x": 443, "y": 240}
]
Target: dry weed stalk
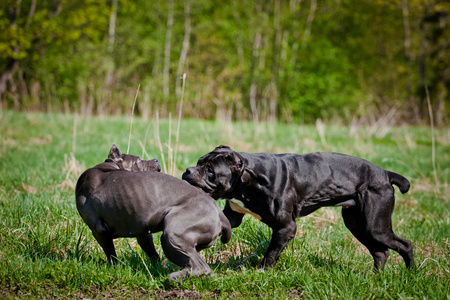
[
  {"x": 158, "y": 139},
  {"x": 145, "y": 142},
  {"x": 132, "y": 114},
  {"x": 180, "y": 110},
  {"x": 72, "y": 168},
  {"x": 321, "y": 130},
  {"x": 383, "y": 125},
  {"x": 433, "y": 142},
  {"x": 172, "y": 153}
]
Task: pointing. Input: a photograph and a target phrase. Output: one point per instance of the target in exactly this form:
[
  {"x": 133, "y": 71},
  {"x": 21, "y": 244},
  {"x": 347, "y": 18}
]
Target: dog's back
[
  {"x": 132, "y": 202},
  {"x": 322, "y": 166}
]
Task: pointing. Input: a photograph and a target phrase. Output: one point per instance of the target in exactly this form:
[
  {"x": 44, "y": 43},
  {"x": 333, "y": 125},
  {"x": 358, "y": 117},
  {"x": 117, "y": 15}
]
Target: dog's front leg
[
  {"x": 146, "y": 243},
  {"x": 234, "y": 217},
  {"x": 280, "y": 238}
]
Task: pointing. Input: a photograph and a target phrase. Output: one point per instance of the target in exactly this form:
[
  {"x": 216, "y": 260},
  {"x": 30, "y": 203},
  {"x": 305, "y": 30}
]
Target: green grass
[{"x": 46, "y": 251}]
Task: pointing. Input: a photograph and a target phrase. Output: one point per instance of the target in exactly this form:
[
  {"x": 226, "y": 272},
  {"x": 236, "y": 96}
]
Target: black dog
[
  {"x": 115, "y": 202},
  {"x": 278, "y": 188}
]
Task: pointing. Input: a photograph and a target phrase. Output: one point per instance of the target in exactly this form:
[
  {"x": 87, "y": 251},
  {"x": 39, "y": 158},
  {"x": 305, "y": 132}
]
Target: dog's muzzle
[
  {"x": 193, "y": 177},
  {"x": 154, "y": 165}
]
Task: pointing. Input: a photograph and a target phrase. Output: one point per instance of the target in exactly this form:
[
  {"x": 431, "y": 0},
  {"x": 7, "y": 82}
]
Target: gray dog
[
  {"x": 278, "y": 188},
  {"x": 115, "y": 202},
  {"x": 117, "y": 160}
]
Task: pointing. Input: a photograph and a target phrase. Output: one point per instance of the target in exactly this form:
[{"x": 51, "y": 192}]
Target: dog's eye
[{"x": 210, "y": 171}]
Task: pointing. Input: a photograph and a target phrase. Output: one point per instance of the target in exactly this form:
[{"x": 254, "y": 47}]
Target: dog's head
[
  {"x": 220, "y": 173},
  {"x": 131, "y": 162},
  {"x": 216, "y": 172}
]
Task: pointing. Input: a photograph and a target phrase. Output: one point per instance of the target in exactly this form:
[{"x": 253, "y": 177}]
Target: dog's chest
[{"x": 239, "y": 206}]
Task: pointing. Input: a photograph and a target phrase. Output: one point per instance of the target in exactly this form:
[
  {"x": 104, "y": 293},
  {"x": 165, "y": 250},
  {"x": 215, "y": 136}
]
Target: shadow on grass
[{"x": 321, "y": 262}]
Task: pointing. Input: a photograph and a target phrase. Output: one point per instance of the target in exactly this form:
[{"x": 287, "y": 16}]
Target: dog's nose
[
  {"x": 154, "y": 165},
  {"x": 189, "y": 171}
]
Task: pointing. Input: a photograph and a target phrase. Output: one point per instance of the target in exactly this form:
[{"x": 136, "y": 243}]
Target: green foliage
[
  {"x": 298, "y": 60},
  {"x": 46, "y": 251},
  {"x": 27, "y": 32}
]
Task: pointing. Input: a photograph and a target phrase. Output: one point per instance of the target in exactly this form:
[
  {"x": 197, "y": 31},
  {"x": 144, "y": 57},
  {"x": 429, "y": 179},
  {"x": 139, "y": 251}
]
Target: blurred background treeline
[{"x": 260, "y": 60}]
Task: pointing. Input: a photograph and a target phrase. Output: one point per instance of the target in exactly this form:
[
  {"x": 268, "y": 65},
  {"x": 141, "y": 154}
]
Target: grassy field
[{"x": 46, "y": 251}]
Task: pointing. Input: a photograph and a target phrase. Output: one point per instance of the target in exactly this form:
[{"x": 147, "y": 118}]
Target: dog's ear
[
  {"x": 222, "y": 149},
  {"x": 221, "y": 152},
  {"x": 249, "y": 177},
  {"x": 114, "y": 153},
  {"x": 236, "y": 162}
]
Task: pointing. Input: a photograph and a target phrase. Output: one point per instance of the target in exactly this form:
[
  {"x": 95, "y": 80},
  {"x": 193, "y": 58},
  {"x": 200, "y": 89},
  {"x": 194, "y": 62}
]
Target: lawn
[{"x": 46, "y": 251}]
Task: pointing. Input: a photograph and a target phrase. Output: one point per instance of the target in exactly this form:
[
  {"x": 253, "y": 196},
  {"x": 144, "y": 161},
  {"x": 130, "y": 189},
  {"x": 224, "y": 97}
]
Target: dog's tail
[
  {"x": 399, "y": 181},
  {"x": 226, "y": 229}
]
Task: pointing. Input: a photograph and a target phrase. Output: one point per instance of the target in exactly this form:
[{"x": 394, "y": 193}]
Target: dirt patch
[
  {"x": 182, "y": 294},
  {"x": 94, "y": 292}
]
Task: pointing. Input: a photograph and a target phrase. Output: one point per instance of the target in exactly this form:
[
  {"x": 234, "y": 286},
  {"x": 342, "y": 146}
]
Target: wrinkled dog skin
[
  {"x": 115, "y": 202},
  {"x": 278, "y": 188}
]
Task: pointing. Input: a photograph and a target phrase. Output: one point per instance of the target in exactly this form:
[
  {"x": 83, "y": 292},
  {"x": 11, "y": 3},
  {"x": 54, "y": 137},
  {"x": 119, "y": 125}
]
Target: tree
[
  {"x": 295, "y": 60},
  {"x": 29, "y": 26}
]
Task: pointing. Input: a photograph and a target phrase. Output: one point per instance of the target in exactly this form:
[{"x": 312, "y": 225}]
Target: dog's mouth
[
  {"x": 207, "y": 191},
  {"x": 198, "y": 183},
  {"x": 204, "y": 188}
]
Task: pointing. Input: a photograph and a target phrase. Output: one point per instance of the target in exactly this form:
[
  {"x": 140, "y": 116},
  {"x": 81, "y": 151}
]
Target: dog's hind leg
[
  {"x": 99, "y": 229},
  {"x": 405, "y": 250},
  {"x": 354, "y": 222},
  {"x": 103, "y": 237},
  {"x": 378, "y": 213},
  {"x": 146, "y": 243},
  {"x": 182, "y": 252},
  {"x": 372, "y": 226},
  {"x": 101, "y": 233}
]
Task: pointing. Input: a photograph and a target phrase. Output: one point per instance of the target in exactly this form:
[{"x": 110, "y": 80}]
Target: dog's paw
[
  {"x": 179, "y": 275},
  {"x": 267, "y": 264},
  {"x": 183, "y": 274}
]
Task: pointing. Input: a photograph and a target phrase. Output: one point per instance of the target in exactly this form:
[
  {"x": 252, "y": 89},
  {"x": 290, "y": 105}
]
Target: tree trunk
[
  {"x": 31, "y": 13},
  {"x": 307, "y": 32},
  {"x": 239, "y": 39},
  {"x": 184, "y": 50},
  {"x": 7, "y": 74},
  {"x": 295, "y": 10},
  {"x": 407, "y": 46},
  {"x": 112, "y": 26},
  {"x": 273, "y": 91},
  {"x": 167, "y": 50},
  {"x": 110, "y": 72},
  {"x": 255, "y": 55},
  {"x": 253, "y": 105},
  {"x": 13, "y": 64}
]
